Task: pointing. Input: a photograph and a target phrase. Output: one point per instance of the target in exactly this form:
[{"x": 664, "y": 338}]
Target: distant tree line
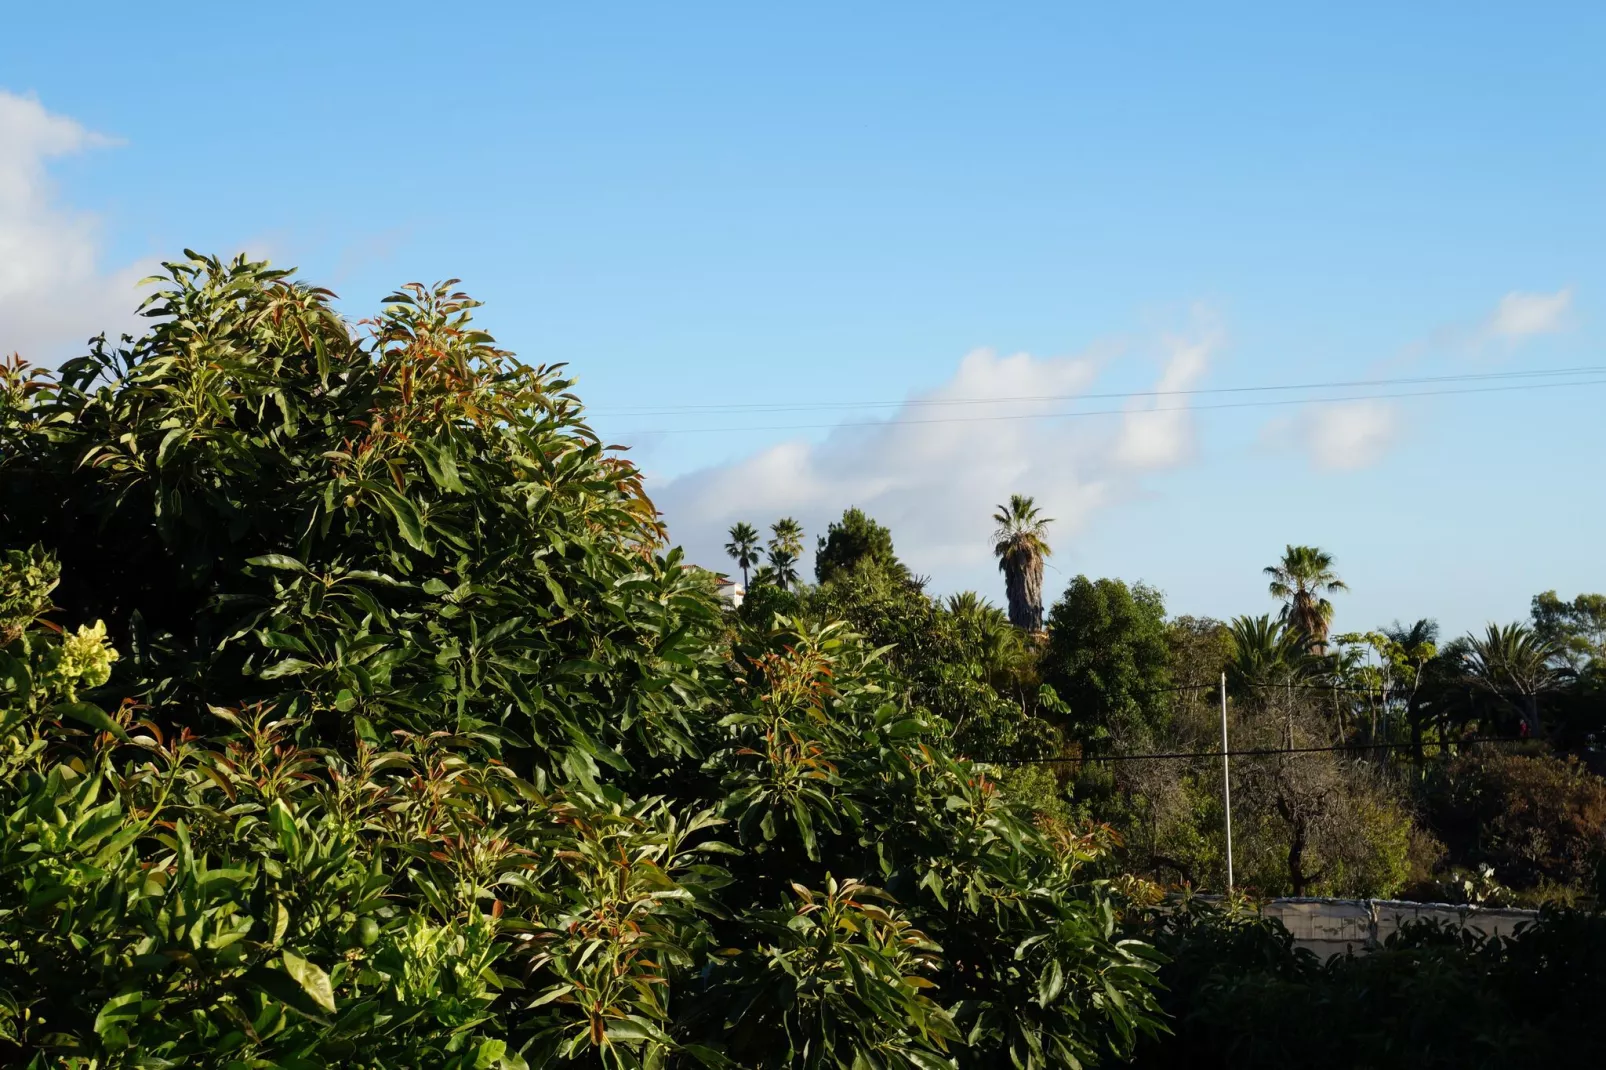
[{"x": 1382, "y": 788}]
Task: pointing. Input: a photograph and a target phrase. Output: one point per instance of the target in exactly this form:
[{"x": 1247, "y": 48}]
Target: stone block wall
[{"x": 1334, "y": 926}]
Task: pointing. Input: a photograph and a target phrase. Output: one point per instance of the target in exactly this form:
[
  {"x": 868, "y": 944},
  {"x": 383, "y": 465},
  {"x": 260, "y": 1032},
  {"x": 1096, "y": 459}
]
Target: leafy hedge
[
  {"x": 1241, "y": 995},
  {"x": 355, "y": 709}
]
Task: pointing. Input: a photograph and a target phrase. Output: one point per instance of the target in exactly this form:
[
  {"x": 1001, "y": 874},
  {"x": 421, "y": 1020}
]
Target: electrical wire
[
  {"x": 1255, "y": 752},
  {"x": 720, "y": 407},
  {"x": 1342, "y": 688},
  {"x": 893, "y": 422}
]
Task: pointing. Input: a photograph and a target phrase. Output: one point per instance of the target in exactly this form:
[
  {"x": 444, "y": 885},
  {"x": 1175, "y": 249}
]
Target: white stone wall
[{"x": 1335, "y": 926}]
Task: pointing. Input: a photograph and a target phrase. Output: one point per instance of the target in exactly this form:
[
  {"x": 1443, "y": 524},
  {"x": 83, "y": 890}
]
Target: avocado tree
[{"x": 354, "y": 707}]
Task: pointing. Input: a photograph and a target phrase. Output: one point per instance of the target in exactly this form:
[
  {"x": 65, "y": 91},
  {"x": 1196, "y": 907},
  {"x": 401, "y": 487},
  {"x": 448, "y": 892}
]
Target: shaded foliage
[
  {"x": 857, "y": 544},
  {"x": 1243, "y": 996},
  {"x": 1534, "y": 818},
  {"x": 1109, "y": 660}
]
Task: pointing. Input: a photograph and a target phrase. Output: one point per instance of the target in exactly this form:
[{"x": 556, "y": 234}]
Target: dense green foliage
[
  {"x": 1576, "y": 630},
  {"x": 960, "y": 660},
  {"x": 1109, "y": 660},
  {"x": 1382, "y": 795},
  {"x": 1242, "y": 996},
  {"x": 857, "y": 544},
  {"x": 1536, "y": 820},
  {"x": 1423, "y": 814},
  {"x": 354, "y": 707},
  {"x": 355, "y": 710}
]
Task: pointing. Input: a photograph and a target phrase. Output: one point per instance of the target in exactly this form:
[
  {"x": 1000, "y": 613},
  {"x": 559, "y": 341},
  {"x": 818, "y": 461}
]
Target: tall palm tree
[
  {"x": 1300, "y": 580},
  {"x": 743, "y": 547},
  {"x": 1515, "y": 663},
  {"x": 785, "y": 547},
  {"x": 1020, "y": 544}
]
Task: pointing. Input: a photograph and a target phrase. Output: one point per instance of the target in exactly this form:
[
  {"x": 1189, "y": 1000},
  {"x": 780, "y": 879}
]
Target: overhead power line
[
  {"x": 1005, "y": 417},
  {"x": 1257, "y": 752},
  {"x": 794, "y": 406},
  {"x": 1343, "y": 688}
]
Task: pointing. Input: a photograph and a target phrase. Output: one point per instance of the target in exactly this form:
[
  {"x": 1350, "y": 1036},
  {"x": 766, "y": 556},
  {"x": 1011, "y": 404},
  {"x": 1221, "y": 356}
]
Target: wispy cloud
[
  {"x": 935, "y": 481},
  {"x": 1523, "y": 315},
  {"x": 1349, "y": 435},
  {"x": 54, "y": 292},
  {"x": 1336, "y": 437},
  {"x": 1159, "y": 433},
  {"x": 1359, "y": 434}
]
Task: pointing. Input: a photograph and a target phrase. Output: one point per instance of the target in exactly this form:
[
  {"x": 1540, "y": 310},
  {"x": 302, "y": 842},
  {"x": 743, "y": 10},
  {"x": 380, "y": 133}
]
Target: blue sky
[{"x": 872, "y": 203}]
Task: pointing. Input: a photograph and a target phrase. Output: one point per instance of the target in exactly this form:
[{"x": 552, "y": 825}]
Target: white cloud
[
  {"x": 934, "y": 471},
  {"x": 1523, "y": 315},
  {"x": 1349, "y": 435},
  {"x": 53, "y": 291},
  {"x": 1159, "y": 433},
  {"x": 1358, "y": 434}
]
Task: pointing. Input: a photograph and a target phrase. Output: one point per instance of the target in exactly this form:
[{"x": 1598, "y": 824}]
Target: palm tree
[
  {"x": 1300, "y": 579},
  {"x": 1265, "y": 651},
  {"x": 785, "y": 547},
  {"x": 1416, "y": 647},
  {"x": 968, "y": 604},
  {"x": 743, "y": 547},
  {"x": 1424, "y": 632},
  {"x": 1516, "y": 664},
  {"x": 994, "y": 649},
  {"x": 995, "y": 644},
  {"x": 1020, "y": 545},
  {"x": 782, "y": 568}
]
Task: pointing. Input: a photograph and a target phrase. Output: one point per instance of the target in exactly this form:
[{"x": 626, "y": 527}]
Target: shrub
[
  {"x": 1243, "y": 995},
  {"x": 421, "y": 747},
  {"x": 1534, "y": 818}
]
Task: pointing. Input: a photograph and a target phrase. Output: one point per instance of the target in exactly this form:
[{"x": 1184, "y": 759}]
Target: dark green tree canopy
[
  {"x": 1263, "y": 650},
  {"x": 377, "y": 724},
  {"x": 1576, "y": 630},
  {"x": 856, "y": 543},
  {"x": 1532, "y": 817},
  {"x": 1108, "y": 657},
  {"x": 401, "y": 524}
]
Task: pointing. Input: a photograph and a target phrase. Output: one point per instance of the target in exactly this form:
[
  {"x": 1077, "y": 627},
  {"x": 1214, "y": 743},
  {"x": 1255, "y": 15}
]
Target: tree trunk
[
  {"x": 1015, "y": 595},
  {"x": 1296, "y": 860},
  {"x": 1413, "y": 713},
  {"x": 1023, "y": 588},
  {"x": 1530, "y": 714}
]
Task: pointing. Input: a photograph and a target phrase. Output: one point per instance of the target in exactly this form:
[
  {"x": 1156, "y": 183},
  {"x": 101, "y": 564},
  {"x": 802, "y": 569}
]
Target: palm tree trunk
[
  {"x": 1023, "y": 589},
  {"x": 1034, "y": 594}
]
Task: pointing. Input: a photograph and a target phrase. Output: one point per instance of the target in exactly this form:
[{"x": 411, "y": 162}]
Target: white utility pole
[{"x": 1226, "y": 779}]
